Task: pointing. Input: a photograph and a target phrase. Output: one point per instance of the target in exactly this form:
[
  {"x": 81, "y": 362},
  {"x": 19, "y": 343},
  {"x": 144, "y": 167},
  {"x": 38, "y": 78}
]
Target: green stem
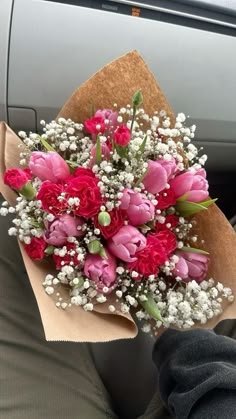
[{"x": 133, "y": 118}]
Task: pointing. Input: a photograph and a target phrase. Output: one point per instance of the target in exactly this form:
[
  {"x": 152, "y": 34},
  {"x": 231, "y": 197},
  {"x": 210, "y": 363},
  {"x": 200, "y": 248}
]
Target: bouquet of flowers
[{"x": 111, "y": 202}]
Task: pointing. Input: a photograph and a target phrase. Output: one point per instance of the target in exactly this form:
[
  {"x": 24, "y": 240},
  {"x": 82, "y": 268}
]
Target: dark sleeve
[{"x": 197, "y": 374}]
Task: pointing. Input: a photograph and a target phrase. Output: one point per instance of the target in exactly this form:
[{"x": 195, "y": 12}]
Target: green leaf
[
  {"x": 145, "y": 228},
  {"x": 92, "y": 109},
  {"x": 183, "y": 197},
  {"x": 98, "y": 154},
  {"x": 141, "y": 148},
  {"x": 49, "y": 250},
  {"x": 102, "y": 253},
  {"x": 122, "y": 151},
  {"x": 72, "y": 164},
  {"x": 80, "y": 283},
  {"x": 151, "y": 224},
  {"x": 46, "y": 145},
  {"x": 187, "y": 208},
  {"x": 207, "y": 203},
  {"x": 151, "y": 308},
  {"x": 37, "y": 224},
  {"x": 194, "y": 250},
  {"x": 94, "y": 247},
  {"x": 137, "y": 99},
  {"x": 137, "y": 183}
]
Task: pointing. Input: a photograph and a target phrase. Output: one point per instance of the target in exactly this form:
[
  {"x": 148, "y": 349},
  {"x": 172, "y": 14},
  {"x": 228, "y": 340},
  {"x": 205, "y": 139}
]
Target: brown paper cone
[
  {"x": 220, "y": 241},
  {"x": 73, "y": 324},
  {"x": 117, "y": 82}
]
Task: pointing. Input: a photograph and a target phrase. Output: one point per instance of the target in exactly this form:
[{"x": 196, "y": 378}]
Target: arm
[{"x": 197, "y": 374}]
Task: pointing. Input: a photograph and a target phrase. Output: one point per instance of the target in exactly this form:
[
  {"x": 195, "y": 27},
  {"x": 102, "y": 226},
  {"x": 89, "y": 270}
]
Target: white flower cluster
[
  {"x": 188, "y": 304},
  {"x": 28, "y": 222},
  {"x": 64, "y": 136}
]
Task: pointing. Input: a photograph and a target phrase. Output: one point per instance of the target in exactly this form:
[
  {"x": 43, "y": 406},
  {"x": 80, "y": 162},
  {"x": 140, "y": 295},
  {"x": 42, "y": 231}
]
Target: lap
[
  {"x": 39, "y": 378},
  {"x": 64, "y": 379}
]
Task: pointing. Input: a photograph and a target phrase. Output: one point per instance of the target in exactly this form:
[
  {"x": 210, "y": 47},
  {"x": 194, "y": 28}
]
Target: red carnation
[
  {"x": 122, "y": 136},
  {"x": 70, "y": 258},
  {"x": 82, "y": 171},
  {"x": 117, "y": 221},
  {"x": 86, "y": 189},
  {"x": 35, "y": 249},
  {"x": 156, "y": 252},
  {"x": 172, "y": 220},
  {"x": 49, "y": 194},
  {"x": 28, "y": 173},
  {"x": 95, "y": 125},
  {"x": 16, "y": 178},
  {"x": 166, "y": 198},
  {"x": 168, "y": 240}
]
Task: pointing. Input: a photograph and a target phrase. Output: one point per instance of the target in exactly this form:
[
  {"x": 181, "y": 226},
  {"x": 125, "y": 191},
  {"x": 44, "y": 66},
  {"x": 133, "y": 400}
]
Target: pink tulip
[
  {"x": 61, "y": 228},
  {"x": 101, "y": 271},
  {"x": 192, "y": 183},
  {"x": 111, "y": 117},
  {"x": 169, "y": 166},
  {"x": 48, "y": 166},
  {"x": 126, "y": 243},
  {"x": 158, "y": 175},
  {"x": 122, "y": 136},
  {"x": 105, "y": 153},
  {"x": 191, "y": 266},
  {"x": 139, "y": 210}
]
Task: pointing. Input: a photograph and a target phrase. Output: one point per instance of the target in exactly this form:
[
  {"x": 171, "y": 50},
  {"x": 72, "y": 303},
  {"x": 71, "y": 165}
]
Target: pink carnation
[
  {"x": 95, "y": 125},
  {"x": 122, "y": 136},
  {"x": 16, "y": 178},
  {"x": 36, "y": 248},
  {"x": 156, "y": 252}
]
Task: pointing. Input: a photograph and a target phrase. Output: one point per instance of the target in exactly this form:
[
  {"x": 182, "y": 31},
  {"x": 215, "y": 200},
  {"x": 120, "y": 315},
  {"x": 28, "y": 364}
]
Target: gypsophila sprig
[{"x": 109, "y": 200}]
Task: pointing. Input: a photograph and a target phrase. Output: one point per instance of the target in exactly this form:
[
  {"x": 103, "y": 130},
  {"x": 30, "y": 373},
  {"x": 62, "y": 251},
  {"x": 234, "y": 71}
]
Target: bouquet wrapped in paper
[{"x": 113, "y": 215}]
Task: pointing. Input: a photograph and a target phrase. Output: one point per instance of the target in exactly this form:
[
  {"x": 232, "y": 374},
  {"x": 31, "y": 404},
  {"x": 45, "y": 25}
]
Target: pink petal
[
  {"x": 181, "y": 268},
  {"x": 197, "y": 196},
  {"x": 196, "y": 270},
  {"x": 182, "y": 184}
]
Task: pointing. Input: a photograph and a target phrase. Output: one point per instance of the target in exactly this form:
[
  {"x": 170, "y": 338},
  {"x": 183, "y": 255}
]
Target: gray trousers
[{"x": 59, "y": 380}]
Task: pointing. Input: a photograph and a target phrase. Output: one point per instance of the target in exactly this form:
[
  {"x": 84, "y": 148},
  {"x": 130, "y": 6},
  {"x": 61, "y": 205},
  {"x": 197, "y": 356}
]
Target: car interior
[{"x": 50, "y": 47}]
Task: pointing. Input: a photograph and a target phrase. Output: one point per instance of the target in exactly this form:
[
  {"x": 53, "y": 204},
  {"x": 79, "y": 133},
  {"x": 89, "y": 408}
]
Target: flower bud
[
  {"x": 104, "y": 218},
  {"x": 94, "y": 247},
  {"x": 137, "y": 98}
]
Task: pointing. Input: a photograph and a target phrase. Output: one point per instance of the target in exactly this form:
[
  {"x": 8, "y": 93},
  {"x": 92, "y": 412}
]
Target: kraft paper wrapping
[
  {"x": 73, "y": 324},
  {"x": 116, "y": 82}
]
